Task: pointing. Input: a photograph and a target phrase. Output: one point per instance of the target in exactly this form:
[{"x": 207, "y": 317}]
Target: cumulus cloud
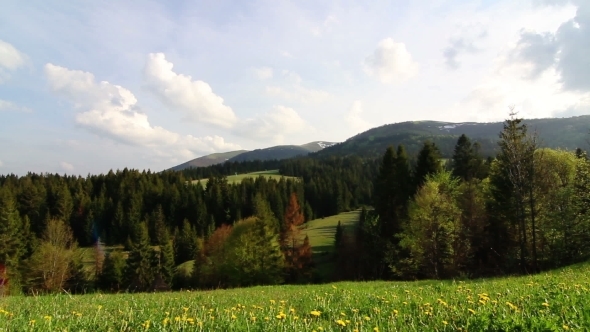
[
  {"x": 10, "y": 59},
  {"x": 566, "y": 50},
  {"x": 180, "y": 92},
  {"x": 263, "y": 73},
  {"x": 535, "y": 50},
  {"x": 354, "y": 118},
  {"x": 390, "y": 62},
  {"x": 6, "y": 105},
  {"x": 273, "y": 125},
  {"x": 66, "y": 166},
  {"x": 109, "y": 110}
]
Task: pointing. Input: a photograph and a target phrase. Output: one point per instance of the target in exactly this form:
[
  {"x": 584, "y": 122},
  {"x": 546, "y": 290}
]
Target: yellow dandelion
[
  {"x": 367, "y": 318},
  {"x": 281, "y": 315},
  {"x": 445, "y": 322},
  {"x": 471, "y": 311},
  {"x": 565, "y": 327},
  {"x": 376, "y": 329},
  {"x": 315, "y": 313},
  {"x": 340, "y": 322},
  {"x": 545, "y": 304}
]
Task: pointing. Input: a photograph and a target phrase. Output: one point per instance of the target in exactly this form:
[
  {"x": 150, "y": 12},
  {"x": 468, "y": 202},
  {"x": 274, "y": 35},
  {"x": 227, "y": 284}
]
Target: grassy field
[
  {"x": 321, "y": 231},
  {"x": 231, "y": 179},
  {"x": 554, "y": 301}
]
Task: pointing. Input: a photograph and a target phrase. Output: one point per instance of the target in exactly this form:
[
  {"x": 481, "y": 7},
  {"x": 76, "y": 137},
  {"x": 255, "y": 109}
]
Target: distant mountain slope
[
  {"x": 282, "y": 151},
  {"x": 566, "y": 133},
  {"x": 208, "y": 160},
  {"x": 275, "y": 152}
]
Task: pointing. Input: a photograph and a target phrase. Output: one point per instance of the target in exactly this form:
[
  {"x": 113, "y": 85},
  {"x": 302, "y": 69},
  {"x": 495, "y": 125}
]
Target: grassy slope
[
  {"x": 273, "y": 174},
  {"x": 553, "y": 301},
  {"x": 321, "y": 231}
]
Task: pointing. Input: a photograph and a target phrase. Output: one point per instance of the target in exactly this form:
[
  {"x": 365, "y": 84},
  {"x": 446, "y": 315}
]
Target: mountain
[
  {"x": 208, "y": 160},
  {"x": 282, "y": 151},
  {"x": 566, "y": 133},
  {"x": 275, "y": 152}
]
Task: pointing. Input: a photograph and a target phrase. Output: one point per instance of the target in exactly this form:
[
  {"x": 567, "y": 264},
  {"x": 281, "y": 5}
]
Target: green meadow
[
  {"x": 235, "y": 179},
  {"x": 554, "y": 301}
]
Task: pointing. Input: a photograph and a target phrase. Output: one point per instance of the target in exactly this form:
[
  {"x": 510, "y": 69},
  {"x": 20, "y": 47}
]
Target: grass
[
  {"x": 235, "y": 179},
  {"x": 321, "y": 231},
  {"x": 321, "y": 234},
  {"x": 553, "y": 301}
]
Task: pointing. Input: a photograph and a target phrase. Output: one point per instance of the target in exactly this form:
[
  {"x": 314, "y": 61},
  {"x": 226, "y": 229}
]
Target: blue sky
[{"x": 90, "y": 86}]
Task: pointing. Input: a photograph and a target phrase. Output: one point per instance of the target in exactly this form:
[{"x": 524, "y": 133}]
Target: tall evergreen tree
[
  {"x": 428, "y": 162},
  {"x": 139, "y": 270},
  {"x": 466, "y": 161}
]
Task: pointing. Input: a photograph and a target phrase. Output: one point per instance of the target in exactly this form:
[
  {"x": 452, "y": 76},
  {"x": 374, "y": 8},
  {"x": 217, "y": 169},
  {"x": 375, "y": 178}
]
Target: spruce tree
[
  {"x": 112, "y": 276},
  {"x": 428, "y": 162},
  {"x": 139, "y": 269}
]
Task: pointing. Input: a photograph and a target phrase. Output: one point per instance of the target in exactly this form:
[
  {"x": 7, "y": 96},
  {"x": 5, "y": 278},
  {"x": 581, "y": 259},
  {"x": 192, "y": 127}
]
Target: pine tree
[
  {"x": 12, "y": 245},
  {"x": 516, "y": 180},
  {"x": 428, "y": 163},
  {"x": 466, "y": 162},
  {"x": 112, "y": 276},
  {"x": 139, "y": 270},
  {"x": 338, "y": 235}
]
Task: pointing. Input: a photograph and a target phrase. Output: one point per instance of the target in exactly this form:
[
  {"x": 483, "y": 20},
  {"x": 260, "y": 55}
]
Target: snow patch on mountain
[{"x": 324, "y": 145}]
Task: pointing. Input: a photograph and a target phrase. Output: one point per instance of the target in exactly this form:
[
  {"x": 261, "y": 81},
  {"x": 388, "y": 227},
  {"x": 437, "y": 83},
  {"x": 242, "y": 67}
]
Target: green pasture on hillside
[
  {"x": 231, "y": 179},
  {"x": 321, "y": 231},
  {"x": 552, "y": 301}
]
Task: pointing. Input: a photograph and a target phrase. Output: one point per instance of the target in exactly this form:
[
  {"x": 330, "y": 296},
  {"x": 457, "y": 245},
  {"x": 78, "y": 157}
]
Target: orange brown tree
[{"x": 297, "y": 251}]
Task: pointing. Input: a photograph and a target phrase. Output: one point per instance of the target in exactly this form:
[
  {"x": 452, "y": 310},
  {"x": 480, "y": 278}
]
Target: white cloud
[
  {"x": 179, "y": 92},
  {"x": 66, "y": 166},
  {"x": 263, "y": 73},
  {"x": 6, "y": 105},
  {"x": 10, "y": 59},
  {"x": 354, "y": 118},
  {"x": 110, "y": 110},
  {"x": 273, "y": 125},
  {"x": 566, "y": 50},
  {"x": 391, "y": 62}
]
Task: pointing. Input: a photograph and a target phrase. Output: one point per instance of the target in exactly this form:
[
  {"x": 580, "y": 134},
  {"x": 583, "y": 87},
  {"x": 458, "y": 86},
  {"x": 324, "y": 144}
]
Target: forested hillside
[
  {"x": 564, "y": 133},
  {"x": 523, "y": 211}
]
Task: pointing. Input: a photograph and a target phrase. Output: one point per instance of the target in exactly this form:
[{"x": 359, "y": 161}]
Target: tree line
[{"x": 524, "y": 211}]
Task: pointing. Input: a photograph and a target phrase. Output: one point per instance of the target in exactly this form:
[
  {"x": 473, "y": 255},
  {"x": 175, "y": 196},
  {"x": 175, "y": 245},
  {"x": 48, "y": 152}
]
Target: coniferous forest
[{"x": 423, "y": 217}]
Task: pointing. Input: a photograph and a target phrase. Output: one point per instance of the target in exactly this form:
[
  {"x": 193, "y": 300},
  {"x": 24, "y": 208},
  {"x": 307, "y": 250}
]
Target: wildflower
[
  {"x": 340, "y": 322},
  {"x": 545, "y": 304},
  {"x": 281, "y": 315},
  {"x": 395, "y": 312},
  {"x": 233, "y": 316},
  {"x": 47, "y": 317},
  {"x": 342, "y": 314},
  {"x": 376, "y": 329},
  {"x": 565, "y": 327},
  {"x": 445, "y": 322},
  {"x": 471, "y": 311},
  {"x": 315, "y": 313},
  {"x": 367, "y": 318}
]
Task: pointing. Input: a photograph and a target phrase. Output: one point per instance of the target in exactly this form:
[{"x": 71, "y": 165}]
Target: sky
[{"x": 90, "y": 86}]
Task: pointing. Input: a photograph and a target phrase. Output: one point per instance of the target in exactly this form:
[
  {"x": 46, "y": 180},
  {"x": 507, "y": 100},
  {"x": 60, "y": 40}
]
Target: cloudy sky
[{"x": 90, "y": 86}]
